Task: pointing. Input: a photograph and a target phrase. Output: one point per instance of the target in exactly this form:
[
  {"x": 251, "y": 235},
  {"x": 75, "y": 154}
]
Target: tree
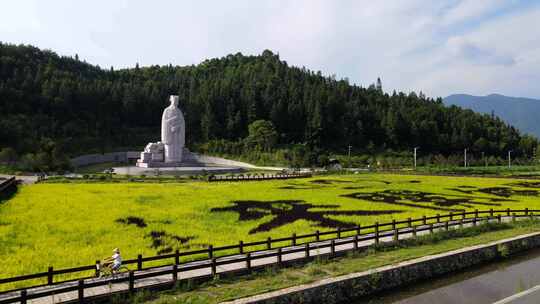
[
  {"x": 262, "y": 135},
  {"x": 8, "y": 155}
]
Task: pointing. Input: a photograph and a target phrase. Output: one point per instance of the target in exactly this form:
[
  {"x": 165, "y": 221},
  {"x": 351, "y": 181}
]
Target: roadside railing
[
  {"x": 245, "y": 253},
  {"x": 6, "y": 184},
  {"x": 256, "y": 177}
]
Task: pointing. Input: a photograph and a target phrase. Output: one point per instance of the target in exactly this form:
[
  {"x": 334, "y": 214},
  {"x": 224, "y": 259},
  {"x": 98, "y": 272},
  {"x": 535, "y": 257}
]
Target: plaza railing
[
  {"x": 247, "y": 253},
  {"x": 256, "y": 177}
]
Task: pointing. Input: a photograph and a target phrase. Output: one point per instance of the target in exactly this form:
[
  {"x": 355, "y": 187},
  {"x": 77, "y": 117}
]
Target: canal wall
[{"x": 362, "y": 284}]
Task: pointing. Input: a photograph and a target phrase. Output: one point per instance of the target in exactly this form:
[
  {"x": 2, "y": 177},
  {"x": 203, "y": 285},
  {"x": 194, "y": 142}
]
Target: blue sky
[{"x": 438, "y": 47}]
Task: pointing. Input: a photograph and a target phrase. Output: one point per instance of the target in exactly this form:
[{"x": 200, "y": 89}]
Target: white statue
[
  {"x": 173, "y": 130},
  {"x": 167, "y": 152}
]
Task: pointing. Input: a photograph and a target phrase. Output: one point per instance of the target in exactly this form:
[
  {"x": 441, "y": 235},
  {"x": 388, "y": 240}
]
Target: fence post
[
  {"x": 213, "y": 267},
  {"x": 474, "y": 221},
  {"x": 491, "y": 212},
  {"x": 248, "y": 261},
  {"x": 526, "y": 211},
  {"x": 210, "y": 251},
  {"x": 241, "y": 247},
  {"x": 376, "y": 232},
  {"x": 177, "y": 257},
  {"x": 431, "y": 228},
  {"x": 463, "y": 215},
  {"x": 80, "y": 290},
  {"x": 279, "y": 256},
  {"x": 424, "y": 221},
  {"x": 393, "y": 224},
  {"x": 438, "y": 218},
  {"x": 414, "y": 231},
  {"x": 332, "y": 247},
  {"x": 317, "y": 235},
  {"x": 269, "y": 243},
  {"x": 358, "y": 229},
  {"x": 499, "y": 219},
  {"x": 339, "y": 233},
  {"x": 409, "y": 222},
  {"x": 50, "y": 275},
  {"x": 294, "y": 239},
  {"x": 23, "y": 296},
  {"x": 131, "y": 281},
  {"x": 139, "y": 262},
  {"x": 396, "y": 235},
  {"x": 446, "y": 226},
  {"x": 513, "y": 217},
  {"x": 98, "y": 268},
  {"x": 307, "y": 250},
  {"x": 355, "y": 244},
  {"x": 507, "y": 211},
  {"x": 475, "y": 212},
  {"x": 175, "y": 273}
]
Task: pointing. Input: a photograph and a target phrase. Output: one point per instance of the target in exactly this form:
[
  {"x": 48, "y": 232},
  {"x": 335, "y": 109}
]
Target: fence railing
[
  {"x": 4, "y": 185},
  {"x": 316, "y": 241},
  {"x": 256, "y": 177}
]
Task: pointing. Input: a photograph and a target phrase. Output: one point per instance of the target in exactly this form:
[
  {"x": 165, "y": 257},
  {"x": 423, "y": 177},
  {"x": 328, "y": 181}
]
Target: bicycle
[{"x": 106, "y": 270}]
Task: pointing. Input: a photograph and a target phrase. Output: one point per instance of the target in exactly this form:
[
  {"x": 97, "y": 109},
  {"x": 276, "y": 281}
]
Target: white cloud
[
  {"x": 439, "y": 47},
  {"x": 471, "y": 9}
]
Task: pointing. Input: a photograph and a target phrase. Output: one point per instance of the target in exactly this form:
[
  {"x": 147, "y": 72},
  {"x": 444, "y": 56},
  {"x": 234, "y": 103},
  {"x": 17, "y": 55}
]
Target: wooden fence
[
  {"x": 256, "y": 177},
  {"x": 295, "y": 243}
]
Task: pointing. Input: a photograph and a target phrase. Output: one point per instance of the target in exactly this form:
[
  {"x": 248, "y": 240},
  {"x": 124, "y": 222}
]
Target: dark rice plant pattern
[
  {"x": 289, "y": 211},
  {"x": 497, "y": 191},
  {"x": 419, "y": 199}
]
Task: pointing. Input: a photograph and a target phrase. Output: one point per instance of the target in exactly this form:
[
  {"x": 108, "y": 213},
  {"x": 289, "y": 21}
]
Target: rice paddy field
[{"x": 73, "y": 224}]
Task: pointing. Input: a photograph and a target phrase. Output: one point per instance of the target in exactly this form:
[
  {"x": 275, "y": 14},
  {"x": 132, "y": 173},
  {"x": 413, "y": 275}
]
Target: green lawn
[{"x": 73, "y": 224}]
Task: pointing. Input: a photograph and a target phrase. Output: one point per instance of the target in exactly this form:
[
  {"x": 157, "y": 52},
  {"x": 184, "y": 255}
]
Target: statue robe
[{"x": 173, "y": 130}]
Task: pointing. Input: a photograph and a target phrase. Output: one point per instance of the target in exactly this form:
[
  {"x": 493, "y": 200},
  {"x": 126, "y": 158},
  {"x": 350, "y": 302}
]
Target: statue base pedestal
[
  {"x": 154, "y": 164},
  {"x": 155, "y": 160}
]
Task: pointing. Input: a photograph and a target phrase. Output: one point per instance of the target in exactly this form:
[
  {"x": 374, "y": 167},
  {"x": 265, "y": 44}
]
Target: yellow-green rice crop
[{"x": 73, "y": 224}]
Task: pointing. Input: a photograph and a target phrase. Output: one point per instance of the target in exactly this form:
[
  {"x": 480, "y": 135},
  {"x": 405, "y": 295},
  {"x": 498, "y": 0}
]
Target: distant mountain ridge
[{"x": 522, "y": 113}]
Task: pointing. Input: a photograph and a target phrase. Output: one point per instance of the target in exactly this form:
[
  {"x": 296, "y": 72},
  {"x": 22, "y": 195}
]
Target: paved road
[
  {"x": 26, "y": 179},
  {"x": 202, "y": 272},
  {"x": 529, "y": 296}
]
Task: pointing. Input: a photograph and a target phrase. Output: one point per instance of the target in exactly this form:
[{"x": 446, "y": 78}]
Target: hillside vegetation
[{"x": 53, "y": 105}]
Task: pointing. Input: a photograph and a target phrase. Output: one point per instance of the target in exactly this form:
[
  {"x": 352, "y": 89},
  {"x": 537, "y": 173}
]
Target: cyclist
[{"x": 115, "y": 261}]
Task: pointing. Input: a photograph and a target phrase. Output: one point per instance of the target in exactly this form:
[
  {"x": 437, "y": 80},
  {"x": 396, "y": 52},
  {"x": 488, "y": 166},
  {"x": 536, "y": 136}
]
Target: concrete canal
[{"x": 512, "y": 281}]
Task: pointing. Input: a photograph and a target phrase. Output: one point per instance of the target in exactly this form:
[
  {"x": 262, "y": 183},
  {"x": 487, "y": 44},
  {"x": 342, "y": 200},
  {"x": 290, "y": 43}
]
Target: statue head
[{"x": 174, "y": 100}]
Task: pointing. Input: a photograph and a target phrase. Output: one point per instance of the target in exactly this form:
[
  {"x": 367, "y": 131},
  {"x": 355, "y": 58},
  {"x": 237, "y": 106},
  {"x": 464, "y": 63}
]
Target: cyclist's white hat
[{"x": 116, "y": 250}]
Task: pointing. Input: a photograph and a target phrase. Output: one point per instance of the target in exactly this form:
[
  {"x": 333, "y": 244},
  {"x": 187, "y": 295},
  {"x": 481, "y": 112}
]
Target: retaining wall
[
  {"x": 358, "y": 285},
  {"x": 90, "y": 159}
]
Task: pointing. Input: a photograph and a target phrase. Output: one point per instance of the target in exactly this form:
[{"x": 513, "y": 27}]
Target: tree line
[{"x": 52, "y": 106}]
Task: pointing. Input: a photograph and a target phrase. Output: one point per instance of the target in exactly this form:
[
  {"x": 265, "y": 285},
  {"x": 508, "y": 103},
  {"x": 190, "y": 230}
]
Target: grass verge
[{"x": 273, "y": 278}]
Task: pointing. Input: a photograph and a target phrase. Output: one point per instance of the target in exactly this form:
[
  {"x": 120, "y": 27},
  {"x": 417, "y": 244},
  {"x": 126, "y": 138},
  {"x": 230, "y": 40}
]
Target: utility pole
[
  {"x": 415, "y": 149},
  {"x": 465, "y": 158},
  {"x": 350, "y": 155},
  {"x": 509, "y": 158}
]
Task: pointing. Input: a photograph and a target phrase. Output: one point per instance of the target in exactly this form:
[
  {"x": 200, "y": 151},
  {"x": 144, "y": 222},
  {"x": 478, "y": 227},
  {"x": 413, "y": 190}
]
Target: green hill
[{"x": 54, "y": 105}]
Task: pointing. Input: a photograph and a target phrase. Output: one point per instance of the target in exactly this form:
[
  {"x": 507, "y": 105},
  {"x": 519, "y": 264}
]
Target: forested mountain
[
  {"x": 48, "y": 102},
  {"x": 520, "y": 112}
]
